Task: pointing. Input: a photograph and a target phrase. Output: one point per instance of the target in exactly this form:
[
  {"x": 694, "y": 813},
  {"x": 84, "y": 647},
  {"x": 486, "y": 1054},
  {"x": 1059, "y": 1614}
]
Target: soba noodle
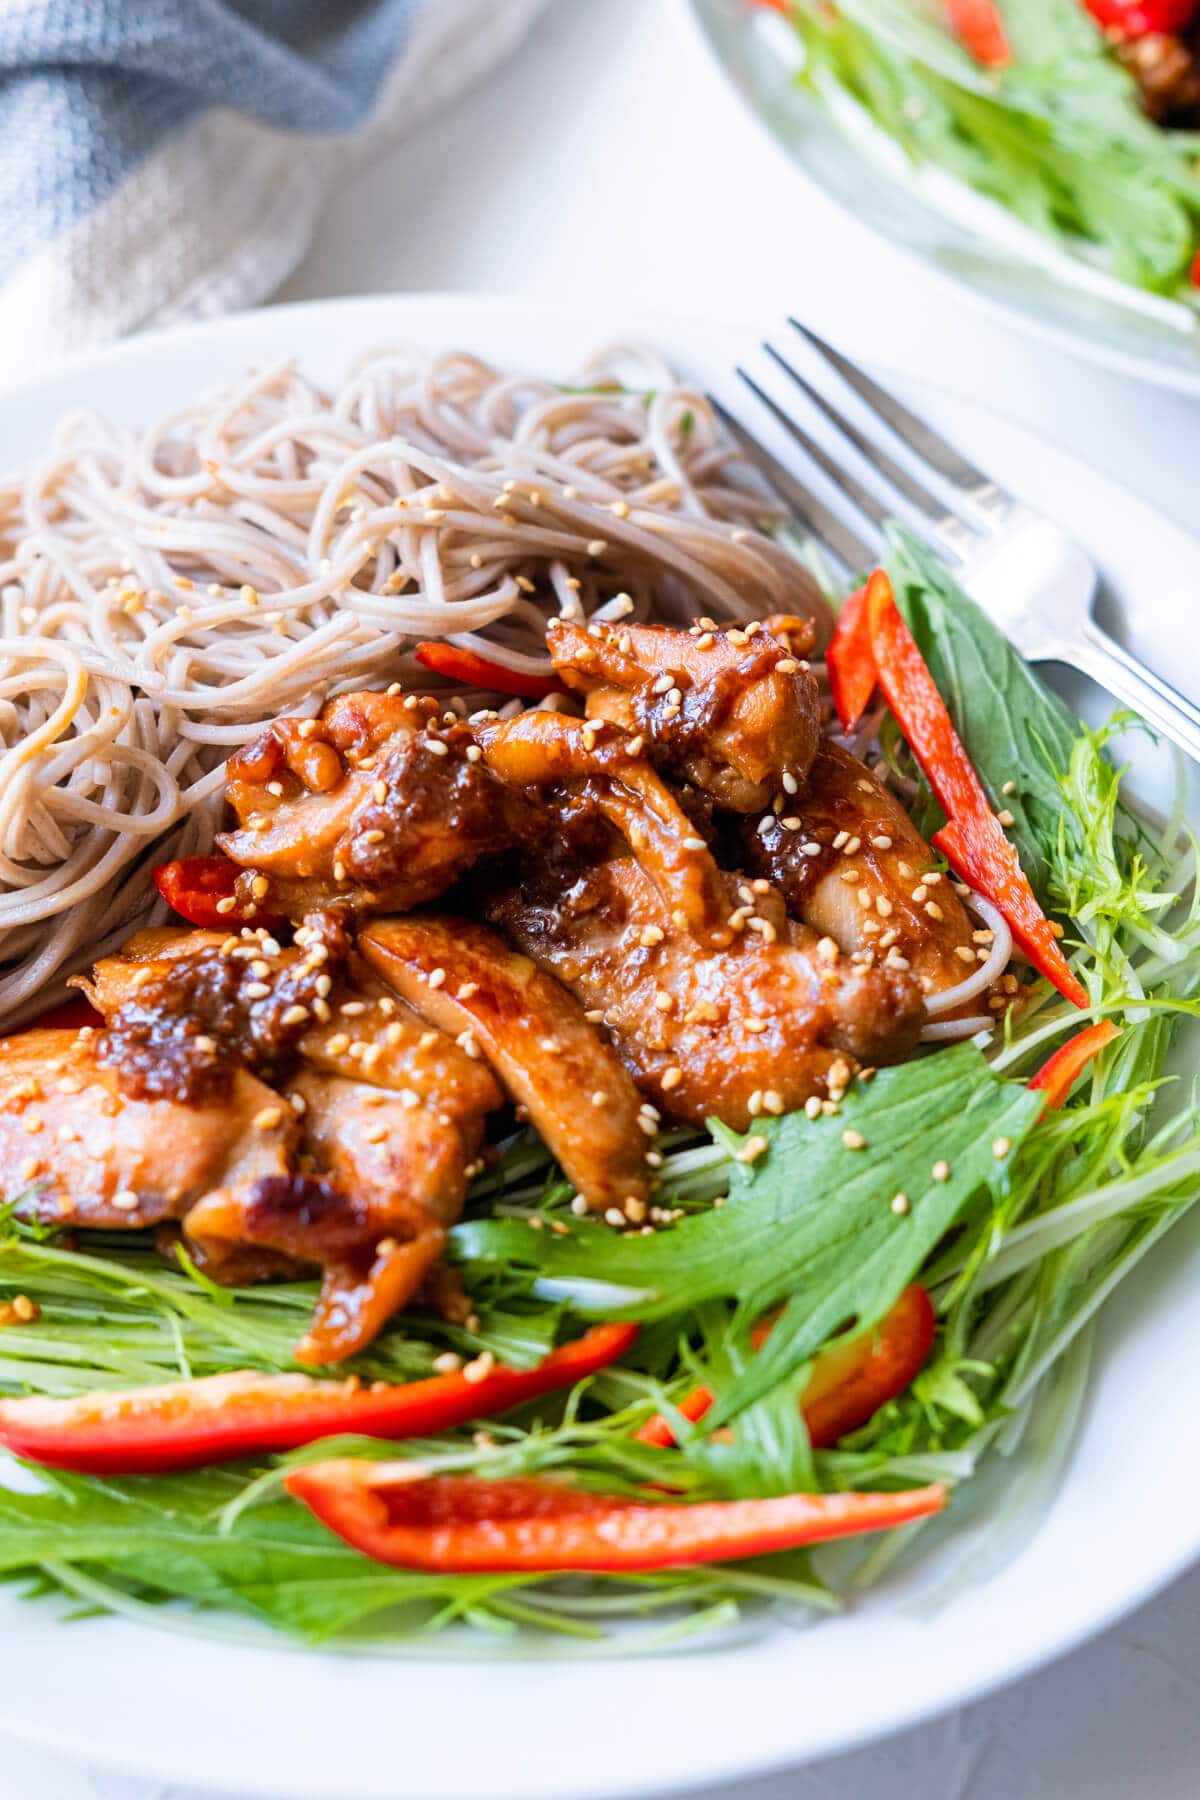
[{"x": 163, "y": 595}]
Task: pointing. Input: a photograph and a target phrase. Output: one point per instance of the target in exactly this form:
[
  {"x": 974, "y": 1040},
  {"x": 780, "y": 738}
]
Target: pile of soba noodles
[{"x": 166, "y": 593}]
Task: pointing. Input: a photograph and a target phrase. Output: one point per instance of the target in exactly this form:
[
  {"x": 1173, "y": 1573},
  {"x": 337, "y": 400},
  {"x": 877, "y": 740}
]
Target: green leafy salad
[
  {"x": 1053, "y": 133},
  {"x": 1018, "y": 1222}
]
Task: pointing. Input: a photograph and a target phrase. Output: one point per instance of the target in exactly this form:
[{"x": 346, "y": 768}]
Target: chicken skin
[
  {"x": 278, "y": 1102},
  {"x": 730, "y": 711},
  {"x": 76, "y": 1149},
  {"x": 378, "y": 804},
  {"x": 567, "y": 1079},
  {"x": 850, "y": 862},
  {"x": 761, "y": 1026}
]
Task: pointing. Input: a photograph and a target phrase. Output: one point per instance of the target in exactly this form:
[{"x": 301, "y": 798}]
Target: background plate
[
  {"x": 273, "y": 1720},
  {"x": 1022, "y": 292}
]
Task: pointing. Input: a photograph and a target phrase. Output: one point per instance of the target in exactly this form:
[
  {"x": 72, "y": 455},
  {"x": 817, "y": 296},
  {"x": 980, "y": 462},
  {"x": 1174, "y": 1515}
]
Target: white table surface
[{"x": 607, "y": 162}]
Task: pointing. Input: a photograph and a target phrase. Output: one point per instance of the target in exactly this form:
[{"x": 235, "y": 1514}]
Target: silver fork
[{"x": 1034, "y": 581}]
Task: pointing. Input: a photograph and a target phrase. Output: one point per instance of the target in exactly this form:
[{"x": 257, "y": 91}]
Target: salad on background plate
[{"x": 1046, "y": 151}]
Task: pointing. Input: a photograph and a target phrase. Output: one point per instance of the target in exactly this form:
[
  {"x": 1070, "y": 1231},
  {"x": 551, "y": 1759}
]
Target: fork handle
[{"x": 1162, "y": 706}]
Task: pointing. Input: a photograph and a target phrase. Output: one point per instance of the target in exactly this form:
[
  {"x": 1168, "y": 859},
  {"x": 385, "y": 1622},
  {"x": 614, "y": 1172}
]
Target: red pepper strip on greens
[
  {"x": 849, "y": 1382},
  {"x": 462, "y": 1524},
  {"x": 187, "y": 1424},
  {"x": 979, "y": 27},
  {"x": 973, "y": 839},
  {"x": 1058, "y": 1075}
]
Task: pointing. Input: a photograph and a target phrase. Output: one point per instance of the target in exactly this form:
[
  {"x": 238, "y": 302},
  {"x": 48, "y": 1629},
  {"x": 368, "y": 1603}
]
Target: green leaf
[
  {"x": 1015, "y": 729},
  {"x": 810, "y": 1220},
  {"x": 1059, "y": 136}
]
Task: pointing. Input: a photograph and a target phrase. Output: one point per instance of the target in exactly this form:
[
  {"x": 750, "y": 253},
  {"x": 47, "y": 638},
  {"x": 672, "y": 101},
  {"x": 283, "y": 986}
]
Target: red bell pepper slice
[
  {"x": 973, "y": 840},
  {"x": 1139, "y": 18},
  {"x": 186, "y": 1424},
  {"x": 479, "y": 671},
  {"x": 72, "y": 1015},
  {"x": 979, "y": 27},
  {"x": 461, "y": 1524},
  {"x": 192, "y": 886},
  {"x": 848, "y": 1384},
  {"x": 850, "y": 661},
  {"x": 1058, "y": 1075}
]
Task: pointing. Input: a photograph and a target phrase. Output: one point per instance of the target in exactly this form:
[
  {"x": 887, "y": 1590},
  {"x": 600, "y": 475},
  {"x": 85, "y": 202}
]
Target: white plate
[
  {"x": 274, "y": 1721},
  {"x": 1011, "y": 270}
]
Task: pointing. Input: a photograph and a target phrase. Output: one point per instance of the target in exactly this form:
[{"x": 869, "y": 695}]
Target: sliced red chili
[
  {"x": 1058, "y": 1075},
  {"x": 467, "y": 666},
  {"x": 1141, "y": 18},
  {"x": 186, "y": 1424},
  {"x": 460, "y": 1524},
  {"x": 72, "y": 1015},
  {"x": 850, "y": 1382},
  {"x": 979, "y": 27},
  {"x": 850, "y": 662},
  {"x": 973, "y": 840},
  {"x": 202, "y": 890}
]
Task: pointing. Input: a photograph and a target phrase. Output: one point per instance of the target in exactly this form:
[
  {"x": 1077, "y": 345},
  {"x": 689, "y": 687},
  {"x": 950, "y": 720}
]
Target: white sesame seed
[
  {"x": 940, "y": 1171},
  {"x": 854, "y": 1140}
]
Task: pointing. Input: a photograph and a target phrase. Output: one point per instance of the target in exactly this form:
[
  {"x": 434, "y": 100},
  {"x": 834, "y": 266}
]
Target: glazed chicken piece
[
  {"x": 465, "y": 979},
  {"x": 850, "y": 862},
  {"x": 378, "y": 803},
  {"x": 713, "y": 995},
  {"x": 81, "y": 1151},
  {"x": 281, "y": 1104},
  {"x": 730, "y": 711},
  {"x": 594, "y": 773},
  {"x": 377, "y": 1186},
  {"x": 760, "y": 1026}
]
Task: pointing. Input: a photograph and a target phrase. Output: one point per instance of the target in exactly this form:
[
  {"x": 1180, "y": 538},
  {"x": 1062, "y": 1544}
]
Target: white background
[{"x": 608, "y": 162}]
